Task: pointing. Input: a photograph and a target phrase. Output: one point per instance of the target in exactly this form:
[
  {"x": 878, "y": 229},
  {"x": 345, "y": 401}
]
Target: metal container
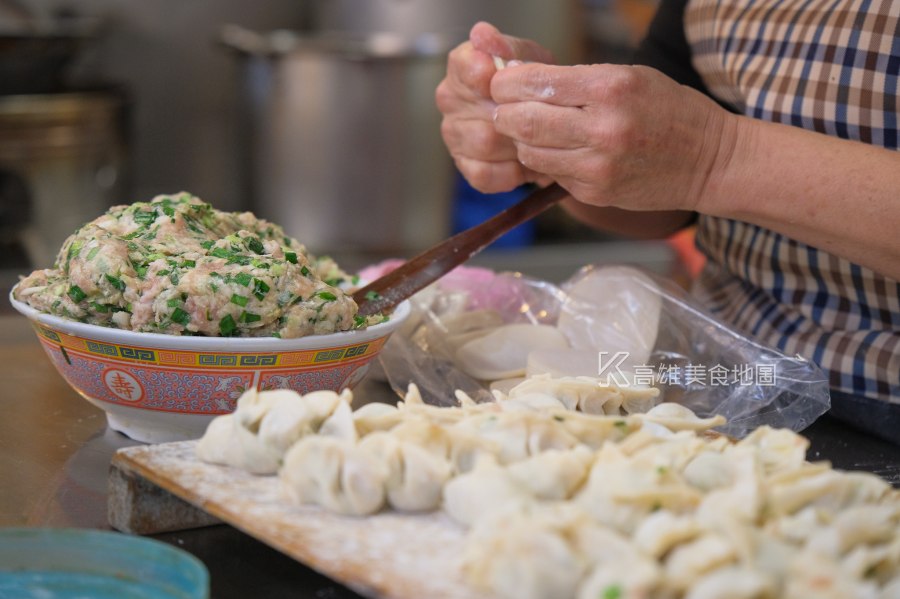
[
  {"x": 344, "y": 140},
  {"x": 344, "y": 146},
  {"x": 63, "y": 157}
]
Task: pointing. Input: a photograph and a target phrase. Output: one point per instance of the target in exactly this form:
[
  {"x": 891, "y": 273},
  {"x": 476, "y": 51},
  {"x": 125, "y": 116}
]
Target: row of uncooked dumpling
[{"x": 402, "y": 456}]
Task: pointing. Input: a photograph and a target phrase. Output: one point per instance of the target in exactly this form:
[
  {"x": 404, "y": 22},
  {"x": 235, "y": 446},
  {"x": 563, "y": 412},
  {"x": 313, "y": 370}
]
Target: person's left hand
[{"x": 614, "y": 135}]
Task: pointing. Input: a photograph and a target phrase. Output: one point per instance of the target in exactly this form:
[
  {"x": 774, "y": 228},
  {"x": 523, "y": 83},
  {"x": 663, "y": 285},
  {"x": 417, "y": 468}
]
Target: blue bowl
[{"x": 70, "y": 563}]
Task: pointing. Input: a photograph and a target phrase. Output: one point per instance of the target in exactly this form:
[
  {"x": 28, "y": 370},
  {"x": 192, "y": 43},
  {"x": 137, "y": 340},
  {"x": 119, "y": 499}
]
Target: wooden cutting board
[{"x": 390, "y": 555}]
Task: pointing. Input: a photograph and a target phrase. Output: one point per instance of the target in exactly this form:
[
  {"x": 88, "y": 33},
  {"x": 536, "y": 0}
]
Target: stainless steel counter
[{"x": 55, "y": 451}]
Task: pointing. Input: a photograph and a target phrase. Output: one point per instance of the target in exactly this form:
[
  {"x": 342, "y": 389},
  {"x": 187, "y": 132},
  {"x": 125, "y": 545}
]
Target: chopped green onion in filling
[
  {"x": 243, "y": 278},
  {"x": 145, "y": 218},
  {"x": 240, "y": 300},
  {"x": 101, "y": 308},
  {"x": 76, "y": 294},
  {"x": 250, "y": 317},
  {"x": 181, "y": 317},
  {"x": 260, "y": 289},
  {"x": 116, "y": 282},
  {"x": 227, "y": 326},
  {"x": 255, "y": 245}
]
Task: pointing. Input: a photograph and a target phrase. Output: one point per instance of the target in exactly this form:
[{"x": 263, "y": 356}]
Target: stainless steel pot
[
  {"x": 343, "y": 143},
  {"x": 344, "y": 146},
  {"x": 62, "y": 160}
]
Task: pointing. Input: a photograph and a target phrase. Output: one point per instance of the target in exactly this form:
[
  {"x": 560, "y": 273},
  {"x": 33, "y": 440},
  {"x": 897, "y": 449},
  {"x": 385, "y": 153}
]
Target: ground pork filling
[{"x": 176, "y": 265}]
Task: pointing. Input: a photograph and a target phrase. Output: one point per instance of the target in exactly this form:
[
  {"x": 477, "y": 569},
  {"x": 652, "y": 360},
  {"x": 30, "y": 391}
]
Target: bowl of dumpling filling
[{"x": 163, "y": 313}]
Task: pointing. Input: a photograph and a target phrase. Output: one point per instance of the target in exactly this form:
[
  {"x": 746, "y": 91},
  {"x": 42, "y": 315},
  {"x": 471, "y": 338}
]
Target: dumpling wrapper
[
  {"x": 415, "y": 476},
  {"x": 446, "y": 336},
  {"x": 253, "y": 405},
  {"x": 517, "y": 434},
  {"x": 376, "y": 416},
  {"x": 676, "y": 417},
  {"x": 594, "y": 430},
  {"x": 558, "y": 362},
  {"x": 630, "y": 579},
  {"x": 689, "y": 561},
  {"x": 535, "y": 550},
  {"x": 265, "y": 424},
  {"x": 553, "y": 474},
  {"x": 708, "y": 470},
  {"x": 779, "y": 449},
  {"x": 227, "y": 442},
  {"x": 588, "y": 394},
  {"x": 426, "y": 434},
  {"x": 503, "y": 353},
  {"x": 335, "y": 474},
  {"x": 858, "y": 525},
  {"x": 613, "y": 309},
  {"x": 538, "y": 402},
  {"x": 732, "y": 583},
  {"x": 527, "y": 561},
  {"x": 482, "y": 491},
  {"x": 340, "y": 424},
  {"x": 662, "y": 530},
  {"x": 810, "y": 576},
  {"x": 504, "y": 385}
]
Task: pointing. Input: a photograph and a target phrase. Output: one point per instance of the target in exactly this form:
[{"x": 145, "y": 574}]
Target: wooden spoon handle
[{"x": 391, "y": 289}]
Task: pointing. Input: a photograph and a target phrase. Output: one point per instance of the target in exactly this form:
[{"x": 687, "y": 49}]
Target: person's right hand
[{"x": 485, "y": 158}]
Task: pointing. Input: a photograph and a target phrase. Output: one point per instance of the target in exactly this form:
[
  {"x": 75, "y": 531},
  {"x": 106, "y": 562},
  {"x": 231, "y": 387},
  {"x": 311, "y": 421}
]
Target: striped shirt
[{"x": 829, "y": 66}]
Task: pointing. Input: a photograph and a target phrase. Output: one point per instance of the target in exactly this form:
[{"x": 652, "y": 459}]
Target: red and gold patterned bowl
[{"x": 159, "y": 388}]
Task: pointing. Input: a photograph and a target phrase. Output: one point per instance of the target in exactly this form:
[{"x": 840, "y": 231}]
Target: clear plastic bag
[{"x": 650, "y": 330}]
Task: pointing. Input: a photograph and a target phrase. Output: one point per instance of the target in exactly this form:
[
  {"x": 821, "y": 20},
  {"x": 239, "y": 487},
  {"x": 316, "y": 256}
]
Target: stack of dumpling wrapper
[
  {"x": 612, "y": 309},
  {"x": 632, "y": 500}
]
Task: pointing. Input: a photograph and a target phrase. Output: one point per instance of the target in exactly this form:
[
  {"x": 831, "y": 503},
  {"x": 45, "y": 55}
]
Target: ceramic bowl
[{"x": 157, "y": 388}]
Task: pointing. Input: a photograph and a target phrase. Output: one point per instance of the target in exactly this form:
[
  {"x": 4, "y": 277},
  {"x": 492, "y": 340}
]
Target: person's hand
[
  {"x": 620, "y": 136},
  {"x": 485, "y": 158}
]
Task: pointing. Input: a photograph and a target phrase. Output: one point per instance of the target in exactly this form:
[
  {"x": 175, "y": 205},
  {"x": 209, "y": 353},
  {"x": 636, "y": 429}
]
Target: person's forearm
[
  {"x": 836, "y": 195},
  {"x": 628, "y": 223}
]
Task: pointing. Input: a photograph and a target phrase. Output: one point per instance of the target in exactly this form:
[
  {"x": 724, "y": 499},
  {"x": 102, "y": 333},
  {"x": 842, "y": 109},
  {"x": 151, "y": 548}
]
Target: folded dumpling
[
  {"x": 554, "y": 474},
  {"x": 264, "y": 425},
  {"x": 485, "y": 489},
  {"x": 415, "y": 476},
  {"x": 336, "y": 474}
]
